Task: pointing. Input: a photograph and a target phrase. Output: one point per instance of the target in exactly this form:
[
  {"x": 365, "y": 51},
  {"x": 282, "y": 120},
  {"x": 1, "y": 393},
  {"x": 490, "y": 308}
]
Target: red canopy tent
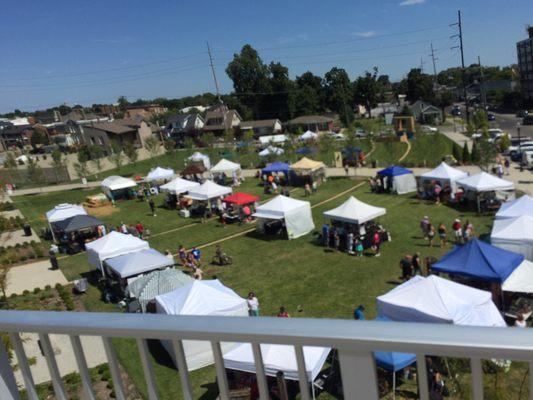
[{"x": 241, "y": 199}]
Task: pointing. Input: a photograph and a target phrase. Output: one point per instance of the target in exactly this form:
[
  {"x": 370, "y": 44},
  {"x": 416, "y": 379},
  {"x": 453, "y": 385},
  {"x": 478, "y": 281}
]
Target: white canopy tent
[
  {"x": 296, "y": 213},
  {"x": 112, "y": 245},
  {"x": 438, "y": 300},
  {"x": 445, "y": 174},
  {"x": 159, "y": 174},
  {"x": 208, "y": 190},
  {"x": 63, "y": 211},
  {"x": 484, "y": 182},
  {"x": 272, "y": 139},
  {"x": 308, "y": 135},
  {"x": 227, "y": 167},
  {"x": 115, "y": 182},
  {"x": 271, "y": 150},
  {"x": 514, "y": 234},
  {"x": 201, "y": 298},
  {"x": 354, "y": 211},
  {"x": 178, "y": 185},
  {"x": 138, "y": 262},
  {"x": 516, "y": 208},
  {"x": 199, "y": 157},
  {"x": 521, "y": 279}
]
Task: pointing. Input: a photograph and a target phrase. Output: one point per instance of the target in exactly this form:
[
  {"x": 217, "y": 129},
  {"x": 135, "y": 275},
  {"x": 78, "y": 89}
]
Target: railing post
[
  {"x": 358, "y": 373},
  {"x": 422, "y": 375},
  {"x": 8, "y": 384},
  {"x": 477, "y": 378}
]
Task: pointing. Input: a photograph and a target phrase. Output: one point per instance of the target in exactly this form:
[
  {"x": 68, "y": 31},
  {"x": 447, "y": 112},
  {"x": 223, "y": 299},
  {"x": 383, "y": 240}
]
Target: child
[{"x": 359, "y": 248}]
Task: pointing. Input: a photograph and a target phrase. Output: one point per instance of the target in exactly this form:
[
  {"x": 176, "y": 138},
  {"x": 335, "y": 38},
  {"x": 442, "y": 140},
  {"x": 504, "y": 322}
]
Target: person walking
[
  {"x": 417, "y": 267},
  {"x": 442, "y": 234},
  {"x": 468, "y": 231},
  {"x": 376, "y": 242},
  {"x": 140, "y": 229},
  {"x": 152, "y": 206},
  {"x": 406, "y": 267},
  {"x": 307, "y": 189},
  {"x": 506, "y": 164},
  {"x": 431, "y": 234},
  {"x": 499, "y": 169},
  {"x": 359, "y": 313},
  {"x": 457, "y": 231},
  {"x": 253, "y": 305},
  {"x": 53, "y": 261},
  {"x": 359, "y": 248},
  {"x": 424, "y": 224},
  {"x": 325, "y": 235}
]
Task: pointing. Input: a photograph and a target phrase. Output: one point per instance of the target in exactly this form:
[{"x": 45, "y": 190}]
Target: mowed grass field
[{"x": 297, "y": 274}]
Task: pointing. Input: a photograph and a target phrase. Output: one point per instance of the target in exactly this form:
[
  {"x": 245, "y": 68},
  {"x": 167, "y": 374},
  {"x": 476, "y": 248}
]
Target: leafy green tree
[
  {"x": 486, "y": 153},
  {"x": 480, "y": 120},
  {"x": 96, "y": 154},
  {"x": 58, "y": 163},
  {"x": 229, "y": 137},
  {"x": 117, "y": 156},
  {"x": 38, "y": 137},
  {"x": 248, "y": 136},
  {"x": 505, "y": 142},
  {"x": 34, "y": 171},
  {"x": 10, "y": 162},
  {"x": 152, "y": 145},
  {"x": 339, "y": 93},
  {"x": 208, "y": 139},
  {"x": 367, "y": 89},
  {"x": 188, "y": 143},
  {"x": 280, "y": 103},
  {"x": 326, "y": 145},
  {"x": 308, "y": 97},
  {"x": 466, "y": 154},
  {"x": 131, "y": 153},
  {"x": 170, "y": 145},
  {"x": 81, "y": 169},
  {"x": 122, "y": 103},
  {"x": 457, "y": 152},
  {"x": 474, "y": 155},
  {"x": 419, "y": 86}
]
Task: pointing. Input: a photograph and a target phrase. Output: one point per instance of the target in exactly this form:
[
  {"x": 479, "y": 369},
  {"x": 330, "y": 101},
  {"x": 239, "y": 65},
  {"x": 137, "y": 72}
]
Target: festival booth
[
  {"x": 444, "y": 176},
  {"x": 308, "y": 170},
  {"x": 521, "y": 279},
  {"x": 174, "y": 189},
  {"x": 353, "y": 220},
  {"x": 271, "y": 151},
  {"x": 308, "y": 135},
  {"x": 225, "y": 168},
  {"x": 159, "y": 174},
  {"x": 516, "y": 208},
  {"x": 279, "y": 169},
  {"x": 284, "y": 214},
  {"x": 205, "y": 198},
  {"x": 514, "y": 234},
  {"x": 74, "y": 232},
  {"x": 438, "y": 300},
  {"x": 201, "y": 298},
  {"x": 61, "y": 212},
  {"x": 278, "y": 358},
  {"x": 397, "y": 179},
  {"x": 117, "y": 187},
  {"x": 113, "y": 244},
  {"x": 200, "y": 158},
  {"x": 488, "y": 191},
  {"x": 239, "y": 206}
]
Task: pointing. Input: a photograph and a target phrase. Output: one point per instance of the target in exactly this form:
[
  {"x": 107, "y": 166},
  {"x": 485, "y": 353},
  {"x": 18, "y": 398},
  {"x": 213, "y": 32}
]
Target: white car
[
  {"x": 336, "y": 136},
  {"x": 429, "y": 129},
  {"x": 360, "y": 133}
]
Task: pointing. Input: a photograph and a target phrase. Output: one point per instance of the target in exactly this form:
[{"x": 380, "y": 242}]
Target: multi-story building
[{"x": 524, "y": 50}]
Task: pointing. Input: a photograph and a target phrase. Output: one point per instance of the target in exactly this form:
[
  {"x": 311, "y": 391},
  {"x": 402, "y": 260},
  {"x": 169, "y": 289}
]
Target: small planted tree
[
  {"x": 131, "y": 153},
  {"x": 116, "y": 157},
  {"x": 457, "y": 152},
  {"x": 505, "y": 142},
  {"x": 208, "y": 139},
  {"x": 34, "y": 171},
  {"x": 229, "y": 137},
  {"x": 466, "y": 154},
  {"x": 152, "y": 145},
  {"x": 58, "y": 163},
  {"x": 97, "y": 154}
]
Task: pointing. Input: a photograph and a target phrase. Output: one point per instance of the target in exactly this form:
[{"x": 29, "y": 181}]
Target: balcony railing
[{"x": 355, "y": 341}]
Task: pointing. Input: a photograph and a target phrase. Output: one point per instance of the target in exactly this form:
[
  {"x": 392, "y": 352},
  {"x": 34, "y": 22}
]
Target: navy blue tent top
[
  {"x": 479, "y": 260},
  {"x": 394, "y": 170},
  {"x": 277, "y": 166},
  {"x": 305, "y": 150},
  {"x": 351, "y": 151},
  {"x": 392, "y": 361}
]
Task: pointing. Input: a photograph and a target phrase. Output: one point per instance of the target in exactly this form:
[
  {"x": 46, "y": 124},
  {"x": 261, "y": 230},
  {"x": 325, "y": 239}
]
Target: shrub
[
  {"x": 13, "y": 295},
  {"x": 47, "y": 287},
  {"x": 36, "y": 290},
  {"x": 26, "y": 292},
  {"x": 58, "y": 287}
]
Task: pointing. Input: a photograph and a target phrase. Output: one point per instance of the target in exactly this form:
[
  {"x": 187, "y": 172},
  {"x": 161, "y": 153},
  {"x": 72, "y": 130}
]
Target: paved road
[
  {"x": 507, "y": 123},
  {"x": 55, "y": 188}
]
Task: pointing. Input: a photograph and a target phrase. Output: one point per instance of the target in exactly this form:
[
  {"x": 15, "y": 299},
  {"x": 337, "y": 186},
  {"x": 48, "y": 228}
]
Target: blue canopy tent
[
  {"x": 398, "y": 179},
  {"x": 394, "y": 170},
  {"x": 305, "y": 151},
  {"x": 275, "y": 167},
  {"x": 479, "y": 260}
]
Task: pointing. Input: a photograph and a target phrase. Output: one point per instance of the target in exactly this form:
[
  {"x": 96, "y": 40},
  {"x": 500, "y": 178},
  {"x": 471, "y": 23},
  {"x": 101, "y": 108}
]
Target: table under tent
[
  {"x": 225, "y": 169},
  {"x": 395, "y": 179},
  {"x": 445, "y": 176},
  {"x": 175, "y": 190},
  {"x": 353, "y": 221},
  {"x": 73, "y": 233},
  {"x": 200, "y": 158},
  {"x": 516, "y": 208},
  {"x": 285, "y": 215},
  {"x": 159, "y": 174},
  {"x": 239, "y": 206},
  {"x": 514, "y": 234},
  {"x": 61, "y": 212},
  {"x": 486, "y": 190},
  {"x": 308, "y": 171},
  {"x": 201, "y": 298},
  {"x": 117, "y": 187},
  {"x": 277, "y": 168},
  {"x": 205, "y": 198}
]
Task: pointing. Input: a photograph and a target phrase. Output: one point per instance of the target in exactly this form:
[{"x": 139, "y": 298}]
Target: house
[
  {"x": 187, "y": 110},
  {"x": 184, "y": 124},
  {"x": 426, "y": 113},
  {"x": 144, "y": 110},
  {"x": 262, "y": 127},
  {"x": 15, "y": 132},
  {"x": 221, "y": 119},
  {"x": 311, "y": 123}
]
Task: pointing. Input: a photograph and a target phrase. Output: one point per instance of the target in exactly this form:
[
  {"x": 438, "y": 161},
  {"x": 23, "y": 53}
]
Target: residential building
[
  {"x": 144, "y": 110},
  {"x": 187, "y": 110},
  {"x": 426, "y": 113},
  {"x": 184, "y": 125},
  {"x": 262, "y": 127},
  {"x": 15, "y": 135},
  {"x": 311, "y": 122},
  {"x": 524, "y": 50},
  {"x": 221, "y": 119}
]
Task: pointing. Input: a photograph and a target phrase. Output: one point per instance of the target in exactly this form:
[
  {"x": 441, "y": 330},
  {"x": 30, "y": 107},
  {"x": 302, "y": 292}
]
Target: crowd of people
[
  {"x": 462, "y": 232},
  {"x": 354, "y": 239}
]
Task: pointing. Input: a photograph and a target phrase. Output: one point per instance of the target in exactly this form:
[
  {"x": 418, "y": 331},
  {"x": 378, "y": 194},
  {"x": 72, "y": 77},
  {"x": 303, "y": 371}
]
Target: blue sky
[{"x": 60, "y": 51}]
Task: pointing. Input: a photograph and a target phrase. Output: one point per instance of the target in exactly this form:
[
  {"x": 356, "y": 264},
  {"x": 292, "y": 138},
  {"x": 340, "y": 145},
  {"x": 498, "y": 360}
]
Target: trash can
[{"x": 27, "y": 229}]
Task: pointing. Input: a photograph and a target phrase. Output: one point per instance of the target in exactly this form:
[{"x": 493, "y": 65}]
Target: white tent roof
[
  {"x": 445, "y": 172},
  {"x": 521, "y": 280},
  {"x": 512, "y": 209},
  {"x": 64, "y": 211},
  {"x": 484, "y": 182},
  {"x": 277, "y": 358},
  {"x": 520, "y": 228},
  {"x": 435, "y": 299},
  {"x": 138, "y": 262},
  {"x": 308, "y": 135},
  {"x": 279, "y": 207},
  {"x": 197, "y": 157},
  {"x": 159, "y": 174},
  {"x": 354, "y": 211},
  {"x": 208, "y": 190},
  {"x": 113, "y": 244},
  {"x": 272, "y": 139},
  {"x": 179, "y": 185},
  {"x": 271, "y": 150},
  {"x": 115, "y": 182},
  {"x": 226, "y": 166}
]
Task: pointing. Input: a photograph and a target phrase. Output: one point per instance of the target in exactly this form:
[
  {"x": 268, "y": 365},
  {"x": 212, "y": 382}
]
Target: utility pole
[
  {"x": 460, "y": 36},
  {"x": 214, "y": 74},
  {"x": 422, "y": 65},
  {"x": 482, "y": 85},
  {"x": 433, "y": 58}
]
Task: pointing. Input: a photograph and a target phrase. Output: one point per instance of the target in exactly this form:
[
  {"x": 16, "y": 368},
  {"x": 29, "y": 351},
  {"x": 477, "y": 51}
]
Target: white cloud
[
  {"x": 412, "y": 2},
  {"x": 366, "y": 34}
]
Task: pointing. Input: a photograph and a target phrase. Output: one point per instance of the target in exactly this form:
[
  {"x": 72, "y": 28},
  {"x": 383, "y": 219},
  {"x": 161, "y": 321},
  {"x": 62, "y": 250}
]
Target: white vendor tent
[
  {"x": 354, "y": 211},
  {"x": 521, "y": 280},
  {"x": 199, "y": 157},
  {"x": 445, "y": 174},
  {"x": 484, "y": 182},
  {"x": 438, "y": 300},
  {"x": 178, "y": 185},
  {"x": 308, "y": 135},
  {"x": 516, "y": 208},
  {"x": 277, "y": 358},
  {"x": 159, "y": 174},
  {"x": 64, "y": 211},
  {"x": 272, "y": 139},
  {"x": 227, "y": 167},
  {"x": 208, "y": 190},
  {"x": 112, "y": 245},
  {"x": 115, "y": 182},
  {"x": 271, "y": 150},
  {"x": 514, "y": 234},
  {"x": 296, "y": 213},
  {"x": 138, "y": 262},
  {"x": 398, "y": 179},
  {"x": 207, "y": 298}
]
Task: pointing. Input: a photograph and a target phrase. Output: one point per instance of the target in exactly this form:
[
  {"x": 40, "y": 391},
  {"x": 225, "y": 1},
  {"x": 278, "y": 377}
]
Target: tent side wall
[
  {"x": 524, "y": 246},
  {"x": 405, "y": 183},
  {"x": 299, "y": 222}
]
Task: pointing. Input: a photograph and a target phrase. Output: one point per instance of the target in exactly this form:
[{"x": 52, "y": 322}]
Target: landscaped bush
[
  {"x": 26, "y": 292},
  {"x": 36, "y": 290}
]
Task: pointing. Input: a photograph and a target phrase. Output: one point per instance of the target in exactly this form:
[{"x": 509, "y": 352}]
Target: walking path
[
  {"x": 33, "y": 275},
  {"x": 457, "y": 136}
]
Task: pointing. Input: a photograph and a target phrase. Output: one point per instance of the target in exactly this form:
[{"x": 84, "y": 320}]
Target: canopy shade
[
  {"x": 305, "y": 151},
  {"x": 484, "y": 182},
  {"x": 208, "y": 190},
  {"x": 514, "y": 234},
  {"x": 138, "y": 262},
  {"x": 306, "y": 164},
  {"x": 308, "y": 135},
  {"x": 115, "y": 182},
  {"x": 271, "y": 150},
  {"x": 277, "y": 358},
  {"x": 516, "y": 208},
  {"x": 521, "y": 280},
  {"x": 272, "y": 139},
  {"x": 226, "y": 166},
  {"x": 444, "y": 172},
  {"x": 354, "y": 211},
  {"x": 394, "y": 170},
  {"x": 179, "y": 185},
  {"x": 438, "y": 300},
  {"x": 199, "y": 157},
  {"x": 392, "y": 361},
  {"x": 76, "y": 223},
  {"x": 241, "y": 198},
  {"x": 479, "y": 260},
  {"x": 193, "y": 169},
  {"x": 112, "y": 245},
  {"x": 277, "y": 166},
  {"x": 64, "y": 211},
  {"x": 400, "y": 180},
  {"x": 159, "y": 174}
]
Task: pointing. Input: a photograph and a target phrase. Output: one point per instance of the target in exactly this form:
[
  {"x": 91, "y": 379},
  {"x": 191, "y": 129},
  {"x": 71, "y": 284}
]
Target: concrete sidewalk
[
  {"x": 33, "y": 275},
  {"x": 55, "y": 188}
]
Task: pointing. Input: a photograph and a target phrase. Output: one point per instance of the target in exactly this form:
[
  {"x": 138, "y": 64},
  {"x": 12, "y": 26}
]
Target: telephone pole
[
  {"x": 422, "y": 65},
  {"x": 459, "y": 24},
  {"x": 433, "y": 58},
  {"x": 214, "y": 74},
  {"x": 482, "y": 85}
]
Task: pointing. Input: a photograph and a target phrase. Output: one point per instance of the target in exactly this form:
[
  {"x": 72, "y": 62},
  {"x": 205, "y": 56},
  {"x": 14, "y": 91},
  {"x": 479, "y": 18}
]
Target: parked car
[
  {"x": 522, "y": 113},
  {"x": 336, "y": 136},
  {"x": 360, "y": 133},
  {"x": 429, "y": 129},
  {"x": 527, "y": 120},
  {"x": 491, "y": 117},
  {"x": 456, "y": 110},
  {"x": 527, "y": 159}
]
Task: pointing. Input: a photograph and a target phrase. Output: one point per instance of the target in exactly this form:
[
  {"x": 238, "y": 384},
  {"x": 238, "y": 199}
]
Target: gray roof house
[
  {"x": 426, "y": 113},
  {"x": 184, "y": 124},
  {"x": 262, "y": 127}
]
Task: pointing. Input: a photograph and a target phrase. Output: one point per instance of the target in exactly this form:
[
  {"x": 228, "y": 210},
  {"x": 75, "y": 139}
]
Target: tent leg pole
[
  {"x": 393, "y": 385},
  {"x": 313, "y": 390}
]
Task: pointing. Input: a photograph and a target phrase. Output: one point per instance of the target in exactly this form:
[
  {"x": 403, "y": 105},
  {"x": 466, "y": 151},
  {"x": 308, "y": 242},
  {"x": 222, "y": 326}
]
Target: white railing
[{"x": 354, "y": 340}]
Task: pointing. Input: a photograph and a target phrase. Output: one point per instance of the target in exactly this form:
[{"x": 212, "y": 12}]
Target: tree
[
  {"x": 38, "y": 137},
  {"x": 131, "y": 152},
  {"x": 367, "y": 89},
  {"x": 457, "y": 152},
  {"x": 96, "y": 155},
  {"x": 280, "y": 103},
  {"x": 248, "y": 136},
  {"x": 466, "y": 154},
  {"x": 229, "y": 137},
  {"x": 188, "y": 143},
  {"x": 122, "y": 102},
  {"x": 326, "y": 145},
  {"x": 309, "y": 96},
  {"x": 486, "y": 154},
  {"x": 419, "y": 86},
  {"x": 34, "y": 171},
  {"x": 152, "y": 145},
  {"x": 116, "y": 156},
  {"x": 339, "y": 94},
  {"x": 58, "y": 163},
  {"x": 10, "y": 164},
  {"x": 505, "y": 142},
  {"x": 208, "y": 139}
]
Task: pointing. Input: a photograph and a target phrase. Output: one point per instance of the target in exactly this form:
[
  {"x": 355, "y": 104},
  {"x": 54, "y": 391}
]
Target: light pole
[{"x": 519, "y": 145}]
